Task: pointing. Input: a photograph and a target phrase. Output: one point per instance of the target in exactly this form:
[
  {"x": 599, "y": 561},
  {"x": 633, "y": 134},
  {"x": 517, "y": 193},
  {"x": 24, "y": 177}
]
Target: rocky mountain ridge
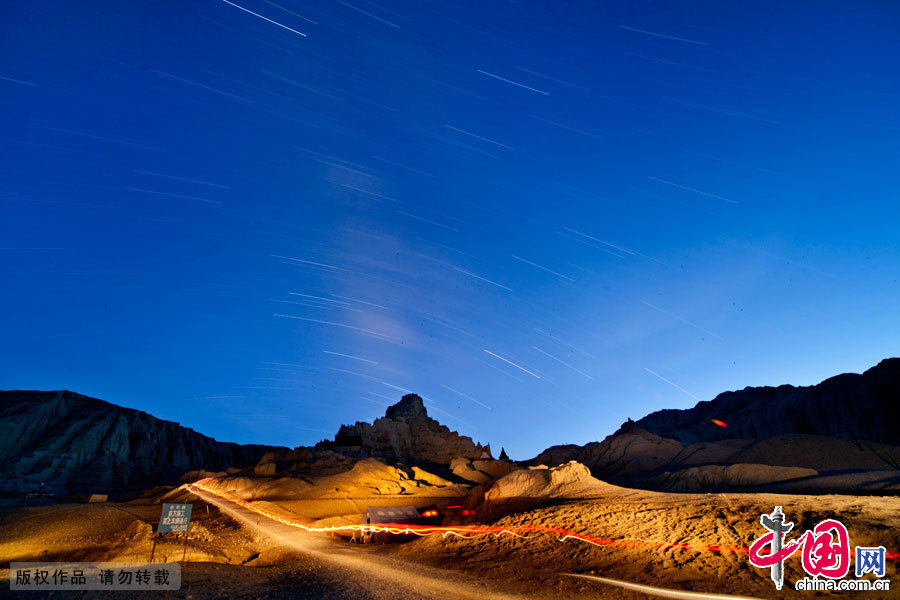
[
  {"x": 842, "y": 435},
  {"x": 853, "y": 406},
  {"x": 73, "y": 443}
]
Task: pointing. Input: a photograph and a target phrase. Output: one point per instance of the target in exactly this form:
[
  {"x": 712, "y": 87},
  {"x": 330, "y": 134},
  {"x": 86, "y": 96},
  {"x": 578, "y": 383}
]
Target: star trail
[{"x": 544, "y": 218}]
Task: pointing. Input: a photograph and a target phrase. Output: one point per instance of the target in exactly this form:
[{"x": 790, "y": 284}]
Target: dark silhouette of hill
[
  {"x": 854, "y": 406},
  {"x": 74, "y": 443},
  {"x": 841, "y": 435}
]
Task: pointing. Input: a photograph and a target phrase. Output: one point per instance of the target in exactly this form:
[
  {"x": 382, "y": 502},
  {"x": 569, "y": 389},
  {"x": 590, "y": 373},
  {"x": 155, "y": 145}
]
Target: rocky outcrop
[
  {"x": 410, "y": 407},
  {"x": 368, "y": 478},
  {"x": 836, "y": 436},
  {"x": 73, "y": 443},
  {"x": 714, "y": 478},
  {"x": 482, "y": 471},
  {"x": 857, "y": 407},
  {"x": 406, "y": 433},
  {"x": 570, "y": 480},
  {"x": 638, "y": 458}
]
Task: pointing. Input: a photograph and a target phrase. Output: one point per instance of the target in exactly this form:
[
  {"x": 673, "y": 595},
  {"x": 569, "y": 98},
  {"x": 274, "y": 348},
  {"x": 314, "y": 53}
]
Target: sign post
[
  {"x": 153, "y": 549},
  {"x": 174, "y": 518}
]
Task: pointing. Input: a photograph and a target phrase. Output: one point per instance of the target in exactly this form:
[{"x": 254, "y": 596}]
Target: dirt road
[{"x": 373, "y": 575}]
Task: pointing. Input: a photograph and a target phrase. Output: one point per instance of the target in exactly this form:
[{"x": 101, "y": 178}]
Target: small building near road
[{"x": 400, "y": 515}]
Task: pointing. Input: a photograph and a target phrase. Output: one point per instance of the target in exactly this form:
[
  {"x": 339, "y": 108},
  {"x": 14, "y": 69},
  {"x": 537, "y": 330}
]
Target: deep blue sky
[{"x": 661, "y": 202}]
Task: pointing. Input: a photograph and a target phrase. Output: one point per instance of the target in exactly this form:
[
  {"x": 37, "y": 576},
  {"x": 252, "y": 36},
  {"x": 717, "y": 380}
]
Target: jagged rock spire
[{"x": 410, "y": 407}]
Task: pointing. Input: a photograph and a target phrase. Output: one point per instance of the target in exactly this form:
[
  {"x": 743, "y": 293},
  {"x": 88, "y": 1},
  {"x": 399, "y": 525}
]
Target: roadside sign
[{"x": 175, "y": 517}]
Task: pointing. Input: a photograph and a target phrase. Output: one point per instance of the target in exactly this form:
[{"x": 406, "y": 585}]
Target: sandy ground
[
  {"x": 699, "y": 520},
  {"x": 283, "y": 562}
]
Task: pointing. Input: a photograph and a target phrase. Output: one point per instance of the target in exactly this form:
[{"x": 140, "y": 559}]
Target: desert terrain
[
  {"x": 665, "y": 506},
  {"x": 689, "y": 542}
]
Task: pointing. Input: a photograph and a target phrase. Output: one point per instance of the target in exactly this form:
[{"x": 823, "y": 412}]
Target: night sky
[{"x": 263, "y": 219}]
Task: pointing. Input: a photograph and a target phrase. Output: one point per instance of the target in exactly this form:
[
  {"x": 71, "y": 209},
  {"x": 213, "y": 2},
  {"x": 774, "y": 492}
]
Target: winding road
[{"x": 383, "y": 577}]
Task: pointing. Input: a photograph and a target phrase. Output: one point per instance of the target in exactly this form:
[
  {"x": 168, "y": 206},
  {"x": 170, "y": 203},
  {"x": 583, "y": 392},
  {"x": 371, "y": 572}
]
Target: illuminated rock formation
[{"x": 406, "y": 433}]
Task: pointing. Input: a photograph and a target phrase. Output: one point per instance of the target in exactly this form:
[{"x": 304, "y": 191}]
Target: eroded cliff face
[
  {"x": 853, "y": 406},
  {"x": 71, "y": 443},
  {"x": 842, "y": 435},
  {"x": 407, "y": 433}
]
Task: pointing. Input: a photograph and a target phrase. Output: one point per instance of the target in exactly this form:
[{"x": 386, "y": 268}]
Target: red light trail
[{"x": 468, "y": 531}]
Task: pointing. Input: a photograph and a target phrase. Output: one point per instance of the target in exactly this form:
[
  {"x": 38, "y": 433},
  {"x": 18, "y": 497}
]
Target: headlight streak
[{"x": 660, "y": 592}]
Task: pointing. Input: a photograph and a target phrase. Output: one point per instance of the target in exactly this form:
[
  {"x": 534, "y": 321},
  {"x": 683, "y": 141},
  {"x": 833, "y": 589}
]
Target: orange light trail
[
  {"x": 718, "y": 422},
  {"x": 468, "y": 531}
]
